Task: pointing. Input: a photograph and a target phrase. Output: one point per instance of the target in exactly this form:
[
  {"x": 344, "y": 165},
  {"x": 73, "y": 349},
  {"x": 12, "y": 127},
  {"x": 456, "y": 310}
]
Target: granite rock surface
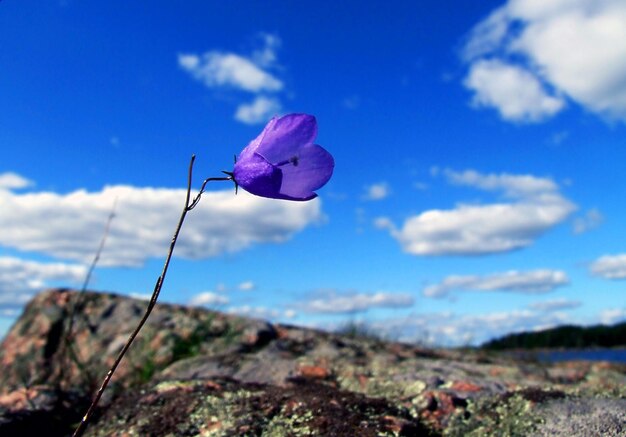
[{"x": 196, "y": 372}]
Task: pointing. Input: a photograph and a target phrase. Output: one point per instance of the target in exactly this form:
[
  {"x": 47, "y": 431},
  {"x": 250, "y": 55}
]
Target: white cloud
[
  {"x": 534, "y": 281},
  {"x": 487, "y": 36},
  {"x": 260, "y": 110},
  {"x": 453, "y": 329},
  {"x": 9, "y": 313},
  {"x": 248, "y": 73},
  {"x": 449, "y": 329},
  {"x": 262, "y": 312},
  {"x": 353, "y": 303},
  {"x": 13, "y": 181},
  {"x": 290, "y": 314},
  {"x": 511, "y": 185},
  {"x": 141, "y": 296},
  {"x": 20, "y": 279},
  {"x": 555, "y": 305},
  {"x": 384, "y": 223},
  {"x": 575, "y": 47},
  {"x": 612, "y": 316},
  {"x": 69, "y": 226},
  {"x": 246, "y": 286},
  {"x": 513, "y": 91},
  {"x": 266, "y": 55},
  {"x": 208, "y": 298},
  {"x": 591, "y": 220},
  {"x": 535, "y": 207},
  {"x": 377, "y": 191},
  {"x": 609, "y": 266},
  {"x": 216, "y": 69}
]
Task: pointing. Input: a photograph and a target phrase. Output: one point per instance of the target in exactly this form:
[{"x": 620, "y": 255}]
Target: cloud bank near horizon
[{"x": 69, "y": 226}]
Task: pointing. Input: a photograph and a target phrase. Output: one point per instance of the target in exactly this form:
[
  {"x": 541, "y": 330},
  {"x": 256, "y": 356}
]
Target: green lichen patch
[
  {"x": 511, "y": 414},
  {"x": 226, "y": 408}
]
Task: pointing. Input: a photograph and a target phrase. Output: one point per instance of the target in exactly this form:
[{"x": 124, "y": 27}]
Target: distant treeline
[{"x": 566, "y": 336}]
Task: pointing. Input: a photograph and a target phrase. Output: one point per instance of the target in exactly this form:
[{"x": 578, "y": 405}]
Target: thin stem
[
  {"x": 92, "y": 266},
  {"x": 96, "y": 258},
  {"x": 206, "y": 181},
  {"x": 189, "y": 205},
  {"x": 68, "y": 346}
]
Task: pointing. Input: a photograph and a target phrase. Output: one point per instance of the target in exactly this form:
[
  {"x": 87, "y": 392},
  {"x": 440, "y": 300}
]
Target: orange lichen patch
[
  {"x": 363, "y": 381},
  {"x": 244, "y": 429},
  {"x": 440, "y": 405},
  {"x": 61, "y": 299},
  {"x": 497, "y": 371},
  {"x": 465, "y": 386},
  {"x": 213, "y": 385},
  {"x": 18, "y": 399},
  {"x": 211, "y": 426},
  {"x": 150, "y": 398},
  {"x": 394, "y": 424},
  {"x": 251, "y": 339},
  {"x": 281, "y": 332},
  {"x": 315, "y": 372},
  {"x": 292, "y": 405}
]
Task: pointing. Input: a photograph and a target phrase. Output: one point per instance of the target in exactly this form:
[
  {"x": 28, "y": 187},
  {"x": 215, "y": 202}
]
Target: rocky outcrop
[{"x": 200, "y": 372}]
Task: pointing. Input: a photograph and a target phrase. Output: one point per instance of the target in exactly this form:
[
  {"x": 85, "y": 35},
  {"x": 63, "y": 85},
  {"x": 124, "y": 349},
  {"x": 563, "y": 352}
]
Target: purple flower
[{"x": 282, "y": 162}]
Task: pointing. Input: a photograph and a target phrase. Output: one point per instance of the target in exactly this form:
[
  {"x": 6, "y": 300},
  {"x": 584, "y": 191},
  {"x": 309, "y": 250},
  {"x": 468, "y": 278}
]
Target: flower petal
[
  {"x": 257, "y": 176},
  {"x": 253, "y": 146},
  {"x": 311, "y": 169},
  {"x": 282, "y": 162},
  {"x": 282, "y": 137}
]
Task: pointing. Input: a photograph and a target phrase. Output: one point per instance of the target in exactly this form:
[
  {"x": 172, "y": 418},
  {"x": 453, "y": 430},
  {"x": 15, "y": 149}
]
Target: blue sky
[{"x": 479, "y": 148}]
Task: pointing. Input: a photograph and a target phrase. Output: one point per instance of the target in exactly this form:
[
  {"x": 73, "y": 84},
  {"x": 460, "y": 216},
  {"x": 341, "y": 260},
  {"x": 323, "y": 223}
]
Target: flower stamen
[{"x": 295, "y": 160}]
